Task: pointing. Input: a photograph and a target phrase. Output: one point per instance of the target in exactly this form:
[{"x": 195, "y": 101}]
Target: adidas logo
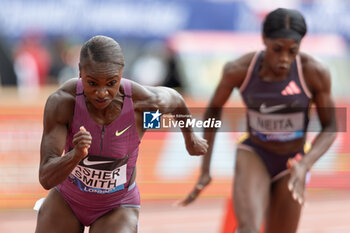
[{"x": 291, "y": 89}]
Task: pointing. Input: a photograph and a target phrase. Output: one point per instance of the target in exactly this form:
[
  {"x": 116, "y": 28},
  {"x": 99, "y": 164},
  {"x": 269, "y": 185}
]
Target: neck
[{"x": 267, "y": 74}]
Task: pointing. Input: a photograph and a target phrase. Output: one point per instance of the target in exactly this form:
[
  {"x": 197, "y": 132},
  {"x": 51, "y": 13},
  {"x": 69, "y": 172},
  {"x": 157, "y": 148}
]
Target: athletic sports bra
[
  {"x": 279, "y": 110},
  {"x": 113, "y": 151}
]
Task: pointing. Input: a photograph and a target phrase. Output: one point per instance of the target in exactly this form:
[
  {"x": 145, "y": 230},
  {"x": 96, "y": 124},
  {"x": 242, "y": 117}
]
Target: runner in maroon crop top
[
  {"x": 95, "y": 121},
  {"x": 277, "y": 86}
]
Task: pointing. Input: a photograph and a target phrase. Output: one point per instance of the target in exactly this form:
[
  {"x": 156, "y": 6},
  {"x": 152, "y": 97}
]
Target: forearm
[
  {"x": 206, "y": 161},
  {"x": 181, "y": 113},
  {"x": 209, "y": 135},
  {"x": 56, "y": 169},
  {"x": 319, "y": 146}
]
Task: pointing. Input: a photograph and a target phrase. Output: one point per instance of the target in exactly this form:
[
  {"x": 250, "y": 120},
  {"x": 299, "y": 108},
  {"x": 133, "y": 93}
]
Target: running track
[{"x": 325, "y": 212}]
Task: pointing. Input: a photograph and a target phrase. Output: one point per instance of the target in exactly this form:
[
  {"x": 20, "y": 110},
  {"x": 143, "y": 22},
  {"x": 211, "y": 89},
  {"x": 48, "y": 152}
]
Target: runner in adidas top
[
  {"x": 95, "y": 121},
  {"x": 278, "y": 86}
]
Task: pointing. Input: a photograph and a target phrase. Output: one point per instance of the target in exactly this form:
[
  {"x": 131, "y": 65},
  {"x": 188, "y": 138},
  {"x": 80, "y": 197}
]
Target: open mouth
[
  {"x": 283, "y": 67},
  {"x": 101, "y": 102}
]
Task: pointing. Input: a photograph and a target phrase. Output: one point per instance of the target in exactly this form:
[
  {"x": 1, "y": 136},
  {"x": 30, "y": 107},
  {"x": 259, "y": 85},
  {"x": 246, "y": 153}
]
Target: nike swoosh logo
[
  {"x": 121, "y": 132},
  {"x": 274, "y": 108},
  {"x": 87, "y": 162}
]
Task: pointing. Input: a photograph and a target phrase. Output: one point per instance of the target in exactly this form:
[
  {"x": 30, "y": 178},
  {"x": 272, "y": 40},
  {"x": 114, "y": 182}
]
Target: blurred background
[{"x": 181, "y": 44}]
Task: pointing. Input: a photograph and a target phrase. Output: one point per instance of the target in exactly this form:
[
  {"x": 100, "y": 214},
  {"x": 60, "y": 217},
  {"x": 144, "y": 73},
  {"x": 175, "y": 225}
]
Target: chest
[{"x": 268, "y": 97}]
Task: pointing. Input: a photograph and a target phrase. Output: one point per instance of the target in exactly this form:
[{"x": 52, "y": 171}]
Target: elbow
[
  {"x": 331, "y": 135},
  {"x": 175, "y": 96},
  {"x": 213, "y": 112},
  {"x": 44, "y": 181},
  {"x": 45, "y": 184},
  {"x": 179, "y": 99},
  {"x": 46, "y": 187},
  {"x": 332, "y": 131}
]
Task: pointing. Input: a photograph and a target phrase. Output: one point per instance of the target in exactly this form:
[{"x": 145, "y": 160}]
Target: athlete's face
[
  {"x": 280, "y": 54},
  {"x": 101, "y": 82}
]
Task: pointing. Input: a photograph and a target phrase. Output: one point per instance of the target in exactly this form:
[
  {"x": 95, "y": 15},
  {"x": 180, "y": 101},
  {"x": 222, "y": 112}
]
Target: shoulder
[
  {"x": 60, "y": 104},
  {"x": 65, "y": 93},
  {"x": 139, "y": 91},
  {"x": 235, "y": 71},
  {"x": 316, "y": 74},
  {"x": 240, "y": 65},
  {"x": 311, "y": 64},
  {"x": 154, "y": 97},
  {"x": 143, "y": 92}
]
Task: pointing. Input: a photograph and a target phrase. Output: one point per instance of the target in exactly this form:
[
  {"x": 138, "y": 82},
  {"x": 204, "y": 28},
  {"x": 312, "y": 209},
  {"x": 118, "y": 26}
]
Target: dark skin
[
  {"x": 255, "y": 197},
  {"x": 104, "y": 99}
]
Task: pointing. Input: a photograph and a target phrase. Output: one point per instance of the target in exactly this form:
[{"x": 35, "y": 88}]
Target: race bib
[
  {"x": 276, "y": 127},
  {"x": 97, "y": 174}
]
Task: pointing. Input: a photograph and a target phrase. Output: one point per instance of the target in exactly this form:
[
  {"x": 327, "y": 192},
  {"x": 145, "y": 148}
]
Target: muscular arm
[
  {"x": 54, "y": 167},
  {"x": 233, "y": 76},
  {"x": 318, "y": 79},
  {"x": 167, "y": 100}
]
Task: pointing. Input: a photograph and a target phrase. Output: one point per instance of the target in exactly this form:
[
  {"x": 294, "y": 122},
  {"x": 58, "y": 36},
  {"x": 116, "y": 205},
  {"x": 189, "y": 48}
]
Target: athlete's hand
[
  {"x": 203, "y": 181},
  {"x": 196, "y": 145},
  {"x": 296, "y": 184},
  {"x": 82, "y": 141}
]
